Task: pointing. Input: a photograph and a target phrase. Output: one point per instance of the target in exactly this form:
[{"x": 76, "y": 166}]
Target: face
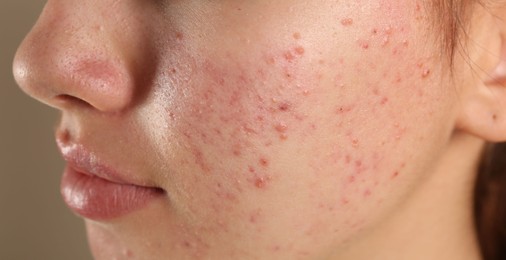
[{"x": 243, "y": 129}]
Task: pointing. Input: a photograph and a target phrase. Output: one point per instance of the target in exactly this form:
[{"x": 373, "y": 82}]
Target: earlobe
[
  {"x": 483, "y": 111},
  {"x": 484, "y": 115}
]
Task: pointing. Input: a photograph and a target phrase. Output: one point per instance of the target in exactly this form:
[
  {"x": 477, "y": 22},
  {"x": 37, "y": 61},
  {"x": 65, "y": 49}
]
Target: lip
[{"x": 98, "y": 192}]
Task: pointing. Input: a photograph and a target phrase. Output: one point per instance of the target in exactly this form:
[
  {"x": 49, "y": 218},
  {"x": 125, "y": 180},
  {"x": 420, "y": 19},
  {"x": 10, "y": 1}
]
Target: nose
[{"x": 73, "y": 57}]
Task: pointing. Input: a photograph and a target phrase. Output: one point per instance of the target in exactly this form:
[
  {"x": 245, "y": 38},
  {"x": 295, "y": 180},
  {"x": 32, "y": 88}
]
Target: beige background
[{"x": 34, "y": 222}]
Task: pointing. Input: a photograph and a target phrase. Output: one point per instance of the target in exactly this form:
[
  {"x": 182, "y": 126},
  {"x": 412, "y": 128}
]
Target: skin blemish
[
  {"x": 296, "y": 35},
  {"x": 289, "y": 56},
  {"x": 343, "y": 110},
  {"x": 299, "y": 50},
  {"x": 264, "y": 162},
  {"x": 255, "y": 216},
  {"x": 347, "y": 21},
  {"x": 367, "y": 193},
  {"x": 425, "y": 73},
  {"x": 179, "y": 36},
  {"x": 261, "y": 182},
  {"x": 281, "y": 128},
  {"x": 284, "y": 107},
  {"x": 363, "y": 44}
]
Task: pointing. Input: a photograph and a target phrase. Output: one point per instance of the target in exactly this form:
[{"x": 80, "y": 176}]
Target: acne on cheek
[{"x": 241, "y": 107}]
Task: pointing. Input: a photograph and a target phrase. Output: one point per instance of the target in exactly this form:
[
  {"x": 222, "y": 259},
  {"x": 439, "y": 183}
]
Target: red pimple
[
  {"x": 347, "y": 21},
  {"x": 260, "y": 182},
  {"x": 264, "y": 162},
  {"x": 284, "y": 107},
  {"x": 367, "y": 193},
  {"x": 281, "y": 127},
  {"x": 395, "y": 175},
  {"x": 179, "y": 35},
  {"x": 288, "y": 56},
  {"x": 363, "y": 44},
  {"x": 299, "y": 50},
  {"x": 425, "y": 73}
]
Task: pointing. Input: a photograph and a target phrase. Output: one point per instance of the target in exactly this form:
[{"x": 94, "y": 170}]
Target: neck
[{"x": 437, "y": 221}]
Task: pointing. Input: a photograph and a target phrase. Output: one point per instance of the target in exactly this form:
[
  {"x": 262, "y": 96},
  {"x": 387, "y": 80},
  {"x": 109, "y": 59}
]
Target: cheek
[{"x": 329, "y": 129}]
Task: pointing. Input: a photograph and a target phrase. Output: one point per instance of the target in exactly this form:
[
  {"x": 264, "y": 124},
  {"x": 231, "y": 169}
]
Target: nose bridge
[{"x": 70, "y": 58}]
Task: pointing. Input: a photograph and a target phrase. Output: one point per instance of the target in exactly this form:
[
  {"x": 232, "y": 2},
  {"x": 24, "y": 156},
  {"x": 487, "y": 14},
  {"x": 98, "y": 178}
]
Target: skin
[{"x": 278, "y": 129}]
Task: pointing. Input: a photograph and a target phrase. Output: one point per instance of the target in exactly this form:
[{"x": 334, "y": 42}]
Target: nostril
[{"x": 68, "y": 99}]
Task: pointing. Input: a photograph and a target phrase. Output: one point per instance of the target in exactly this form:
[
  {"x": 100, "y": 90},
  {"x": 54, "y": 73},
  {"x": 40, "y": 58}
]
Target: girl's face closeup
[{"x": 244, "y": 129}]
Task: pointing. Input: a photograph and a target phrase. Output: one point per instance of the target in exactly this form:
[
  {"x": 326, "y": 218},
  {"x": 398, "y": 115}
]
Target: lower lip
[{"x": 95, "y": 198}]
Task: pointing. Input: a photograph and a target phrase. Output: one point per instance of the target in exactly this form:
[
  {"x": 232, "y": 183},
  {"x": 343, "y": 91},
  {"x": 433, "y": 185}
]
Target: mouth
[{"x": 98, "y": 192}]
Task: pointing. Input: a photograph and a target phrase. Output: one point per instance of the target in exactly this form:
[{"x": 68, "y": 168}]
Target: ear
[{"x": 483, "y": 97}]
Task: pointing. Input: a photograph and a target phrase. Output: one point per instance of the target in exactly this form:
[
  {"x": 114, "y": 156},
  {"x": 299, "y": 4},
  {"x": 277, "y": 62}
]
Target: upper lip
[{"x": 84, "y": 161}]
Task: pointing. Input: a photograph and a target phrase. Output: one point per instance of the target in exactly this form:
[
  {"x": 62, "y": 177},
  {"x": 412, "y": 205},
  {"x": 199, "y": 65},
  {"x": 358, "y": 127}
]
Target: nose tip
[{"x": 66, "y": 64}]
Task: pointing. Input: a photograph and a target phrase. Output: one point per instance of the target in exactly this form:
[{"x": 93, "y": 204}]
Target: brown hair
[
  {"x": 490, "y": 190},
  {"x": 490, "y": 210}
]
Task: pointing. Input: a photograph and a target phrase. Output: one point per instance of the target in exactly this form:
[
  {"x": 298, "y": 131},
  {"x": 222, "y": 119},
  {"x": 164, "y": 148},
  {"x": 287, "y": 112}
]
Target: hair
[{"x": 453, "y": 17}]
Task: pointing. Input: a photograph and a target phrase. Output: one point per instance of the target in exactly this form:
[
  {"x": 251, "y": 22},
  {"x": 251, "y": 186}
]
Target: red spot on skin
[
  {"x": 179, "y": 36},
  {"x": 425, "y": 73},
  {"x": 364, "y": 45},
  {"x": 384, "y": 101},
  {"x": 251, "y": 169},
  {"x": 351, "y": 179},
  {"x": 343, "y": 110},
  {"x": 260, "y": 182},
  {"x": 187, "y": 244},
  {"x": 367, "y": 193},
  {"x": 288, "y": 56},
  {"x": 347, "y": 159},
  {"x": 395, "y": 175},
  {"x": 358, "y": 163},
  {"x": 200, "y": 161},
  {"x": 344, "y": 201},
  {"x": 270, "y": 60},
  {"x": 299, "y": 50},
  {"x": 296, "y": 36},
  {"x": 264, "y": 162},
  {"x": 347, "y": 21},
  {"x": 255, "y": 216},
  {"x": 284, "y": 107},
  {"x": 281, "y": 128}
]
